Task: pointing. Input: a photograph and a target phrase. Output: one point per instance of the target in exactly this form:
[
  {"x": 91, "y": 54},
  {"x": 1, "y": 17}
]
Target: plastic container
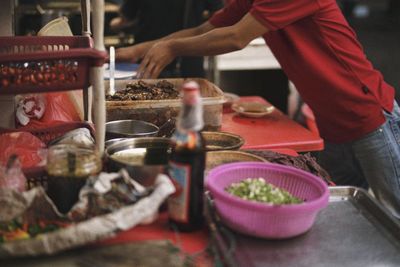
[
  {"x": 261, "y": 219},
  {"x": 31, "y": 64},
  {"x": 56, "y": 27},
  {"x": 159, "y": 111}
]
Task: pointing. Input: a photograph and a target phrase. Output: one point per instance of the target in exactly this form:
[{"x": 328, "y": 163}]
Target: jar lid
[{"x": 73, "y": 161}]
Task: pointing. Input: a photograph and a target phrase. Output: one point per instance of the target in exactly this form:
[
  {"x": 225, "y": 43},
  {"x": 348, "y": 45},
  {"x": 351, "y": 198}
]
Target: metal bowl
[
  {"x": 129, "y": 129},
  {"x": 113, "y": 141},
  {"x": 144, "y": 157},
  {"x": 222, "y": 141},
  {"x": 216, "y": 158}
]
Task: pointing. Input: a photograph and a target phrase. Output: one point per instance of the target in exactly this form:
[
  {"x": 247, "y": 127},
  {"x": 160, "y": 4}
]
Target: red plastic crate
[
  {"x": 41, "y": 63},
  {"x": 50, "y": 133},
  {"x": 37, "y": 175}
]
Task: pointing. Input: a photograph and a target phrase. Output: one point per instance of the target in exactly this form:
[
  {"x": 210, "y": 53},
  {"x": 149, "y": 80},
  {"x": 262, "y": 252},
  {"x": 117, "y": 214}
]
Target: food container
[
  {"x": 113, "y": 141},
  {"x": 230, "y": 99},
  {"x": 216, "y": 158},
  {"x": 159, "y": 111},
  {"x": 130, "y": 129},
  {"x": 222, "y": 141},
  {"x": 262, "y": 219},
  {"x": 144, "y": 157},
  {"x": 68, "y": 167}
]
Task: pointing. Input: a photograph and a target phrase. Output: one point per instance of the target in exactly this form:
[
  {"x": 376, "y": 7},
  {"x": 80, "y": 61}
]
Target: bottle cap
[{"x": 191, "y": 93}]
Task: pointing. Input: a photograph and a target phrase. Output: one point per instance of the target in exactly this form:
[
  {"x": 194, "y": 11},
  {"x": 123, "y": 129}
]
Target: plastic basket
[
  {"x": 41, "y": 63},
  {"x": 37, "y": 175},
  {"x": 265, "y": 220}
]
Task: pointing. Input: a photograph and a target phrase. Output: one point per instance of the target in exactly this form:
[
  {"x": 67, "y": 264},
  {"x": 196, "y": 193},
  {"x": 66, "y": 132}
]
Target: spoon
[{"x": 112, "y": 70}]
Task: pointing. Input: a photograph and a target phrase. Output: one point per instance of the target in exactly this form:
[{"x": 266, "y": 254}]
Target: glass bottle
[{"x": 187, "y": 162}]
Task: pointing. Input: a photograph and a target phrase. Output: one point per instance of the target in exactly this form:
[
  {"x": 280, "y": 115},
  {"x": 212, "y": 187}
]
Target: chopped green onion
[{"x": 257, "y": 189}]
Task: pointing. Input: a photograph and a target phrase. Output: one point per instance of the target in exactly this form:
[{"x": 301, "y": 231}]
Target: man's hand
[
  {"x": 155, "y": 60},
  {"x": 132, "y": 53}
]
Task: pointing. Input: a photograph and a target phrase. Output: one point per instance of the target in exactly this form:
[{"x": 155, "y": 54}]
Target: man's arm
[
  {"x": 136, "y": 52},
  {"x": 213, "y": 42}
]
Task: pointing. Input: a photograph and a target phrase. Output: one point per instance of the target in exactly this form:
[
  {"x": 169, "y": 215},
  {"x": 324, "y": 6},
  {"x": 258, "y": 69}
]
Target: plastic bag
[
  {"x": 26, "y": 146},
  {"x": 11, "y": 175},
  {"x": 29, "y": 107},
  {"x": 60, "y": 108},
  {"x": 48, "y": 108}
]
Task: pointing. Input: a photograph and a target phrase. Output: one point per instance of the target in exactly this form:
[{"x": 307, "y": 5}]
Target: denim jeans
[{"x": 372, "y": 160}]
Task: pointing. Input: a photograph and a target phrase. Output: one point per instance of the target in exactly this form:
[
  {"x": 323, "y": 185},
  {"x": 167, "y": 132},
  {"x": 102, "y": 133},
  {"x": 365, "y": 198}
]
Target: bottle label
[{"x": 178, "y": 204}]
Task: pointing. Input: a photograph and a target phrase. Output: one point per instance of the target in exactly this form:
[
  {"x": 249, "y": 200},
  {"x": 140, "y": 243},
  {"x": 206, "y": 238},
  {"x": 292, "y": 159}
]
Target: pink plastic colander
[{"x": 261, "y": 219}]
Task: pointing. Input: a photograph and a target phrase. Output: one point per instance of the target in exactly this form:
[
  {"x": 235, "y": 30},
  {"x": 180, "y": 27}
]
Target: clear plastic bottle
[{"x": 187, "y": 162}]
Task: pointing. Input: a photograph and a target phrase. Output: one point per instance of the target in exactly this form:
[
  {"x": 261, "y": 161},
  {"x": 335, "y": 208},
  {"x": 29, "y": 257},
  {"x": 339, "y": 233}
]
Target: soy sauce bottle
[{"x": 187, "y": 162}]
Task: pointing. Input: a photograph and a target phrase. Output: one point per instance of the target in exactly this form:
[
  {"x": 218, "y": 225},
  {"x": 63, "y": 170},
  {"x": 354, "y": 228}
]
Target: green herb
[
  {"x": 257, "y": 189},
  {"x": 34, "y": 229}
]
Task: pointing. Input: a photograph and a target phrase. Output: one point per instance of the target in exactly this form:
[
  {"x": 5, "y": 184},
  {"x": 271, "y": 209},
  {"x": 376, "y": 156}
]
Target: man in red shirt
[{"x": 354, "y": 107}]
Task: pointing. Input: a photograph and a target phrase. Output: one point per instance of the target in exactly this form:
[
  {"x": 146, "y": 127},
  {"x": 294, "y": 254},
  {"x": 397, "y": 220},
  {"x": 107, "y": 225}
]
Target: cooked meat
[{"x": 146, "y": 91}]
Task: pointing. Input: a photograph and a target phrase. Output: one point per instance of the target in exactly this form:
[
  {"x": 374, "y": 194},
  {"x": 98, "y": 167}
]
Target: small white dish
[
  {"x": 122, "y": 71},
  {"x": 253, "y": 109}
]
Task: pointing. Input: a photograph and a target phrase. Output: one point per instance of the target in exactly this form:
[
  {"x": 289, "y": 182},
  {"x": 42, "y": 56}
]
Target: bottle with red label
[{"x": 187, "y": 162}]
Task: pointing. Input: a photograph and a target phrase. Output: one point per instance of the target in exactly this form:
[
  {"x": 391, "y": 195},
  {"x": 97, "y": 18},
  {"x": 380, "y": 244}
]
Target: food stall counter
[{"x": 273, "y": 131}]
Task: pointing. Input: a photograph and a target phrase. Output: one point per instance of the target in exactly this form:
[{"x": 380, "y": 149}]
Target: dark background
[{"x": 379, "y": 33}]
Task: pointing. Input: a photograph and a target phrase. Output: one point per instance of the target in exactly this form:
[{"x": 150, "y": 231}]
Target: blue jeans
[{"x": 372, "y": 160}]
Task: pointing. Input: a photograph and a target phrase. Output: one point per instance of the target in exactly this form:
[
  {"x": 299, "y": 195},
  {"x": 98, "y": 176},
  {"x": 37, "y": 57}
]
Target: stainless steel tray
[{"x": 354, "y": 230}]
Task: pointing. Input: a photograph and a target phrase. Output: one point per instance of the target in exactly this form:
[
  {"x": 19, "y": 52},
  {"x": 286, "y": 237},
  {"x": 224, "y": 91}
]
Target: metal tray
[{"x": 354, "y": 230}]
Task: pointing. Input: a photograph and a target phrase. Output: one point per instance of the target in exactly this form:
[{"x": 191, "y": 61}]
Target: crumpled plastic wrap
[
  {"x": 79, "y": 137},
  {"x": 15, "y": 204}
]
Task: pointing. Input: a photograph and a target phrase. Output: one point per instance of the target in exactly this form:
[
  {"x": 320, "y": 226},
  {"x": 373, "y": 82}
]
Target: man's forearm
[
  {"x": 220, "y": 40},
  {"x": 217, "y": 41},
  {"x": 187, "y": 32}
]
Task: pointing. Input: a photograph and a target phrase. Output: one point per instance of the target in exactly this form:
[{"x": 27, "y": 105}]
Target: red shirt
[{"x": 320, "y": 54}]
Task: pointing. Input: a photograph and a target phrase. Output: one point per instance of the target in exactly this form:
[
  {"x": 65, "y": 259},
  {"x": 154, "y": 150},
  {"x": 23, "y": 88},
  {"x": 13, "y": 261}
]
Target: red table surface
[
  {"x": 192, "y": 242},
  {"x": 272, "y": 131}
]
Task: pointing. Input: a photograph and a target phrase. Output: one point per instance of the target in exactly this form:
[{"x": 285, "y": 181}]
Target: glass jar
[{"x": 68, "y": 167}]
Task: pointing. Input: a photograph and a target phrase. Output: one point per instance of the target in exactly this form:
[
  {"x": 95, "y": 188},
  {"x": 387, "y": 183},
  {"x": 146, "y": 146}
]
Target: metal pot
[
  {"x": 144, "y": 158},
  {"x": 129, "y": 129}
]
